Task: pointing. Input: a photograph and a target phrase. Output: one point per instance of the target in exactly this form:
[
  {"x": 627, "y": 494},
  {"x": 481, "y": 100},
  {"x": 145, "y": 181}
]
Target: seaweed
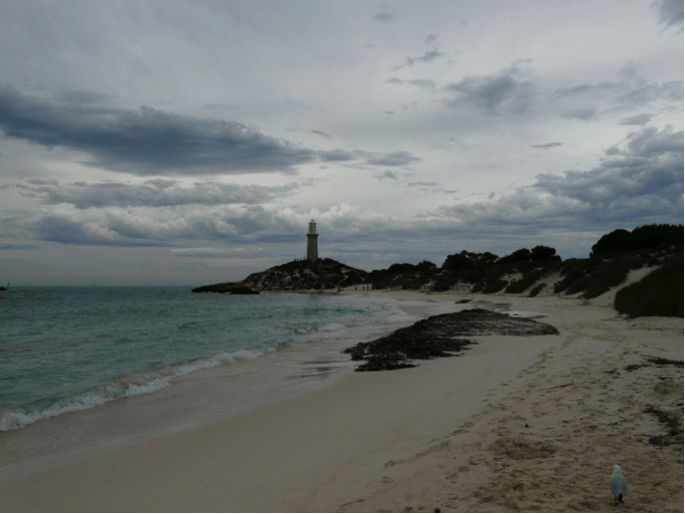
[
  {"x": 674, "y": 433},
  {"x": 660, "y": 361}
]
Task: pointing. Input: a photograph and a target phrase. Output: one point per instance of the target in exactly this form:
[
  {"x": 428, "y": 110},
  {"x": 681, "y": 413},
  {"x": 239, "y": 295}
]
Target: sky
[{"x": 190, "y": 142}]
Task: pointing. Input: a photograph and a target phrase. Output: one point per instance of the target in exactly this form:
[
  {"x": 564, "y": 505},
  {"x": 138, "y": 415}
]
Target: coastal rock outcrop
[
  {"x": 295, "y": 275},
  {"x": 226, "y": 288},
  {"x": 440, "y": 336}
]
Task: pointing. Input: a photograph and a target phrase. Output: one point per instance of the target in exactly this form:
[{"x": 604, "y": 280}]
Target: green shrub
[
  {"x": 647, "y": 236},
  {"x": 604, "y": 278},
  {"x": 536, "y": 290},
  {"x": 494, "y": 286},
  {"x": 445, "y": 282},
  {"x": 571, "y": 275},
  {"x": 522, "y": 255},
  {"x": 579, "y": 285},
  {"x": 521, "y": 285},
  {"x": 658, "y": 294},
  {"x": 543, "y": 253}
]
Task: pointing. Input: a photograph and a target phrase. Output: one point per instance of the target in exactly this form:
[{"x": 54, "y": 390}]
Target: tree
[{"x": 544, "y": 253}]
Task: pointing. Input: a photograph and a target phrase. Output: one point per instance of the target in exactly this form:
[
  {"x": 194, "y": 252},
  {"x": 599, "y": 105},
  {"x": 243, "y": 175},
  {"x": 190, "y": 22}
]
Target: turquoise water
[{"x": 65, "y": 349}]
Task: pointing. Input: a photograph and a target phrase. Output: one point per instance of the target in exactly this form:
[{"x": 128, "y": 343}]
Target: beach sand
[{"x": 515, "y": 424}]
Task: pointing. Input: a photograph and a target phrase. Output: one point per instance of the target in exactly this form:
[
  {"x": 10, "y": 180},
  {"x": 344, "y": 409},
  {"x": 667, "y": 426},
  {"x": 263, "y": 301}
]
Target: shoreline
[
  {"x": 413, "y": 439},
  {"x": 231, "y": 387}
]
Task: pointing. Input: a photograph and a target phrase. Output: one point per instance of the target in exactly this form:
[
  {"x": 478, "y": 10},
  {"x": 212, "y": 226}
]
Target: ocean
[{"x": 66, "y": 349}]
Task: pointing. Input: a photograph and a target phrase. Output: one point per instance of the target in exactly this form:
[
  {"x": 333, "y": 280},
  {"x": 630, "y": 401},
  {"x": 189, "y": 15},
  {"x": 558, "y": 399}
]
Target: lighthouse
[{"x": 312, "y": 242}]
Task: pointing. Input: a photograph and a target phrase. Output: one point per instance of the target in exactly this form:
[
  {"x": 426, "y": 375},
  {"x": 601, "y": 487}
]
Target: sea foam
[
  {"x": 130, "y": 385},
  {"x": 69, "y": 349}
]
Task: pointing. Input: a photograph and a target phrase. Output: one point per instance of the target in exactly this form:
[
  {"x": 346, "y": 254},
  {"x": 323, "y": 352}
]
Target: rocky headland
[
  {"x": 321, "y": 274},
  {"x": 654, "y": 252}
]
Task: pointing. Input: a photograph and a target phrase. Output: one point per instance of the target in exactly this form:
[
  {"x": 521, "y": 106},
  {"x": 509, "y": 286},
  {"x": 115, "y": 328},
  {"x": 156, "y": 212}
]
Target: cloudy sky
[{"x": 178, "y": 142}]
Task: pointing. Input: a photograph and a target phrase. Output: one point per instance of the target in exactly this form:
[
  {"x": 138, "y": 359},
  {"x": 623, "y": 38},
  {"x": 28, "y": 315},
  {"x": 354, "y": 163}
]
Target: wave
[
  {"x": 130, "y": 385},
  {"x": 332, "y": 327}
]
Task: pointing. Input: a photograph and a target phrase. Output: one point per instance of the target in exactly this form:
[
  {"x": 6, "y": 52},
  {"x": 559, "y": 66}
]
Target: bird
[{"x": 618, "y": 485}]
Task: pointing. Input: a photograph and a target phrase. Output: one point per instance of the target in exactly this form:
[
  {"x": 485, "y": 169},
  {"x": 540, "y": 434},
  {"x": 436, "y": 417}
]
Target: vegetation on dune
[
  {"x": 646, "y": 237},
  {"x": 616, "y": 254},
  {"x": 658, "y": 294},
  {"x": 402, "y": 276},
  {"x": 536, "y": 290},
  {"x": 525, "y": 270}
]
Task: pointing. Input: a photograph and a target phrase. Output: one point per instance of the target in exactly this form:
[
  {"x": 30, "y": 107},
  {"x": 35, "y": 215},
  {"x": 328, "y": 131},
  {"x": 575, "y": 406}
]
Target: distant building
[{"x": 312, "y": 242}]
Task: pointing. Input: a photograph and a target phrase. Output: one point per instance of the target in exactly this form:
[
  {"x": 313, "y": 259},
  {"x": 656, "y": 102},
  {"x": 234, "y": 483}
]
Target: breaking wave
[{"x": 130, "y": 385}]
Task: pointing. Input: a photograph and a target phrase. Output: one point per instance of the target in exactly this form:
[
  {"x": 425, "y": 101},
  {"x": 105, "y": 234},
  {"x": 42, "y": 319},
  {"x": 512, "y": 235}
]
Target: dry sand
[{"x": 515, "y": 424}]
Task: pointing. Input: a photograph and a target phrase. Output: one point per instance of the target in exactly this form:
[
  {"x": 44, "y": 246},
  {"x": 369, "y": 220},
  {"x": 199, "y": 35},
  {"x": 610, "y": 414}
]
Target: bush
[
  {"x": 645, "y": 237},
  {"x": 493, "y": 286},
  {"x": 543, "y": 253},
  {"x": 522, "y": 255},
  {"x": 536, "y": 290},
  {"x": 658, "y": 294},
  {"x": 604, "y": 278},
  {"x": 572, "y": 273},
  {"x": 521, "y": 285},
  {"x": 445, "y": 282}
]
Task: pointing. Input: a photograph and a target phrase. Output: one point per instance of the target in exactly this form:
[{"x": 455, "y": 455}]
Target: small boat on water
[{"x": 5, "y": 288}]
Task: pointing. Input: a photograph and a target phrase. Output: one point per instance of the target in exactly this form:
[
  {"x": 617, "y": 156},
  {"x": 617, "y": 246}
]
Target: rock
[
  {"x": 228, "y": 287},
  {"x": 440, "y": 336}
]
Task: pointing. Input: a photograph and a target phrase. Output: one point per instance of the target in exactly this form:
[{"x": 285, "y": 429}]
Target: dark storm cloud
[
  {"x": 387, "y": 174},
  {"x": 586, "y": 114},
  {"x": 592, "y": 89},
  {"x": 430, "y": 188},
  {"x": 546, "y": 146},
  {"x": 428, "y": 56},
  {"x": 638, "y": 182},
  {"x": 321, "y": 133},
  {"x": 631, "y": 90},
  {"x": 58, "y": 228},
  {"x": 146, "y": 141},
  {"x": 153, "y": 193},
  {"x": 81, "y": 98},
  {"x": 426, "y": 84},
  {"x": 392, "y": 159},
  {"x": 384, "y": 17},
  {"x": 125, "y": 229},
  {"x": 507, "y": 92},
  {"x": 647, "y": 177},
  {"x": 670, "y": 12},
  {"x": 643, "y": 94},
  {"x": 639, "y": 119},
  {"x": 641, "y": 183},
  {"x": 338, "y": 155}
]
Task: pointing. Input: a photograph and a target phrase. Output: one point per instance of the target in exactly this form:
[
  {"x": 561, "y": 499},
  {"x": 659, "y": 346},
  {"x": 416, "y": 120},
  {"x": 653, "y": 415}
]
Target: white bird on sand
[{"x": 618, "y": 485}]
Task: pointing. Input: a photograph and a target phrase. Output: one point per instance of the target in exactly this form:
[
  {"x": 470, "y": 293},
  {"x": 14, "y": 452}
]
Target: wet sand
[{"x": 515, "y": 424}]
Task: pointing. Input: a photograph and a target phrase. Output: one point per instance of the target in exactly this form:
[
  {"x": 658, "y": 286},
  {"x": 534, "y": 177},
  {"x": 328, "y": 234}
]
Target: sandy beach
[{"x": 515, "y": 424}]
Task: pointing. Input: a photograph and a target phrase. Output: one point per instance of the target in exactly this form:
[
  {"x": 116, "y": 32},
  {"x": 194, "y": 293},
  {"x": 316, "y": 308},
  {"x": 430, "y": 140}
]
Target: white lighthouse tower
[{"x": 312, "y": 242}]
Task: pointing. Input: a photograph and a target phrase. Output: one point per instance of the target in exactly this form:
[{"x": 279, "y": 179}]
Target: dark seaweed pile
[{"x": 440, "y": 336}]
